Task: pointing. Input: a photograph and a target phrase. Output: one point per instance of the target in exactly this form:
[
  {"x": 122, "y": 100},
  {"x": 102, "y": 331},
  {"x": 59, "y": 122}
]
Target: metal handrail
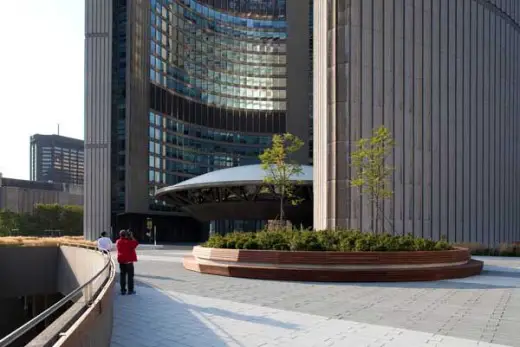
[{"x": 24, "y": 329}]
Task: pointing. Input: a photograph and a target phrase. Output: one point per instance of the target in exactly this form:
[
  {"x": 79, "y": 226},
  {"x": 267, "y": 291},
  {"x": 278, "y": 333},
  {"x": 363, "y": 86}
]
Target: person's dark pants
[{"x": 126, "y": 272}]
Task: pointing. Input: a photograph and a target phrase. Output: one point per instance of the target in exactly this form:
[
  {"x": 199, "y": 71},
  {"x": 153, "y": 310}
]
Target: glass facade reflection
[
  {"x": 217, "y": 58},
  {"x": 218, "y": 85}
]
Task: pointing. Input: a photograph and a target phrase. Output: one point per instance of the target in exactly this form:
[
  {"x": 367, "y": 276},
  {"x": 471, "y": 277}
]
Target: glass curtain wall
[{"x": 218, "y": 85}]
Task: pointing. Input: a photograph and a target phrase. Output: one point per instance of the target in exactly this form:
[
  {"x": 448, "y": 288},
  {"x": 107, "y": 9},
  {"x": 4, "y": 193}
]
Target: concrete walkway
[{"x": 175, "y": 307}]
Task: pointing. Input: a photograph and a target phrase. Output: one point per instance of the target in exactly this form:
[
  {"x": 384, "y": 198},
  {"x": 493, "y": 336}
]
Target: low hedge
[
  {"x": 337, "y": 240},
  {"x": 502, "y": 250}
]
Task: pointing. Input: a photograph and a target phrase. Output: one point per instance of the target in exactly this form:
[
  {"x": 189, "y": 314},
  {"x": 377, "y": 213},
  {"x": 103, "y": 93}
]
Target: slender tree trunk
[
  {"x": 377, "y": 216},
  {"x": 282, "y": 196},
  {"x": 383, "y": 218}
]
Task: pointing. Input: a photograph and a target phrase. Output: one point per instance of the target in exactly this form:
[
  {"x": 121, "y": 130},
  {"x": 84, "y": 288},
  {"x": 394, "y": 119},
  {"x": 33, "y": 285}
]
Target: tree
[
  {"x": 9, "y": 221},
  {"x": 280, "y": 168},
  {"x": 48, "y": 216},
  {"x": 71, "y": 220},
  {"x": 372, "y": 174},
  {"x": 67, "y": 220}
]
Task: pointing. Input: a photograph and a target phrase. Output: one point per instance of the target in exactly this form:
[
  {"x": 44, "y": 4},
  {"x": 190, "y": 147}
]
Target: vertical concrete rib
[
  {"x": 417, "y": 116},
  {"x": 451, "y": 188},
  {"x": 443, "y": 76},
  {"x": 355, "y": 100},
  {"x": 458, "y": 201},
  {"x": 98, "y": 62},
  {"x": 443, "y": 119},
  {"x": 492, "y": 131},
  {"x": 435, "y": 121},
  {"x": 467, "y": 116},
  {"x": 320, "y": 109},
  {"x": 388, "y": 84},
  {"x": 408, "y": 115}
]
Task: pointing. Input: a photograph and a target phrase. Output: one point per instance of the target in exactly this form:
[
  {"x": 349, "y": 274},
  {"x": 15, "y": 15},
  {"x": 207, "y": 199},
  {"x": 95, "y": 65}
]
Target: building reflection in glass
[{"x": 218, "y": 70}]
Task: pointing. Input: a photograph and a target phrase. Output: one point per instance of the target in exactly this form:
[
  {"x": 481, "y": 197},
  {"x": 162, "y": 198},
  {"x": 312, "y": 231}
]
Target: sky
[{"x": 41, "y": 76}]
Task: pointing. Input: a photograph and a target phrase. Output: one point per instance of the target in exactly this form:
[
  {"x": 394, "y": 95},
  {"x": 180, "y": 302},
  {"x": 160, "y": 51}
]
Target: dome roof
[{"x": 235, "y": 176}]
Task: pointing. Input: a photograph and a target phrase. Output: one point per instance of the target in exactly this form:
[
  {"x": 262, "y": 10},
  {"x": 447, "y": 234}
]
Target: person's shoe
[
  {"x": 123, "y": 292},
  {"x": 131, "y": 292}
]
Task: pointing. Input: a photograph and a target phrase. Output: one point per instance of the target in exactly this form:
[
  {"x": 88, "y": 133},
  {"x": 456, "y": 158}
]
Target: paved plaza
[{"x": 175, "y": 307}]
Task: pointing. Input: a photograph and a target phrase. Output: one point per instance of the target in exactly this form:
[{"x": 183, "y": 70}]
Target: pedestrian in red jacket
[{"x": 126, "y": 257}]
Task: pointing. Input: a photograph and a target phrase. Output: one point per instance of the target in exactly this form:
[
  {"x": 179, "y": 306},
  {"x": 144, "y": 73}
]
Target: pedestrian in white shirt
[{"x": 104, "y": 242}]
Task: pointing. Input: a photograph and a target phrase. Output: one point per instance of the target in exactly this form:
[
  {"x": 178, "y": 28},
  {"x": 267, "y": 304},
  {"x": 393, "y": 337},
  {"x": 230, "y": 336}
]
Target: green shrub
[
  {"x": 307, "y": 241},
  {"x": 328, "y": 240},
  {"x": 502, "y": 250}
]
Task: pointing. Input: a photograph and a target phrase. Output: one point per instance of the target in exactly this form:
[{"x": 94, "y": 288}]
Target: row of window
[
  {"x": 237, "y": 120},
  {"x": 214, "y": 75},
  {"x": 208, "y": 163},
  {"x": 255, "y": 8},
  {"x": 185, "y": 46},
  {"x": 213, "y": 99},
  {"x": 179, "y": 147},
  {"x": 217, "y": 91},
  {"x": 202, "y": 132},
  {"x": 64, "y": 151},
  {"x": 175, "y": 171},
  {"x": 198, "y": 36},
  {"x": 261, "y": 7},
  {"x": 182, "y": 63},
  {"x": 204, "y": 62},
  {"x": 177, "y": 12}
]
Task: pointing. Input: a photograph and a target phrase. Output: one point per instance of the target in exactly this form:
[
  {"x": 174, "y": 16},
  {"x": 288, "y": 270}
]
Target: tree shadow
[
  {"x": 243, "y": 317},
  {"x": 153, "y": 318},
  {"x": 177, "y": 322},
  {"x": 156, "y": 277}
]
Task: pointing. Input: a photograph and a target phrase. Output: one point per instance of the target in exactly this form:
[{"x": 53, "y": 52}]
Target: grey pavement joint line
[
  {"x": 215, "y": 322},
  {"x": 192, "y": 309}
]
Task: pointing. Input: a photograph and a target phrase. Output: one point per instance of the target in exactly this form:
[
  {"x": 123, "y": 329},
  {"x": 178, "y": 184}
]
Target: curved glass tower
[
  {"x": 222, "y": 70},
  {"x": 196, "y": 86}
]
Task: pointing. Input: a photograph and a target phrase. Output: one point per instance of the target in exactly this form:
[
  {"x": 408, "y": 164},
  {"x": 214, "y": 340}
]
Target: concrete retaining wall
[
  {"x": 27, "y": 271},
  {"x": 48, "y": 270}
]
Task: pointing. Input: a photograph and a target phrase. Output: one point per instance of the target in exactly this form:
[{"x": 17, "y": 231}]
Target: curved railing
[{"x": 27, "y": 327}]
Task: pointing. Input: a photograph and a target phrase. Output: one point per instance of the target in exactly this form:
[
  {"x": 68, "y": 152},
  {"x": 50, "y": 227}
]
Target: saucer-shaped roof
[{"x": 235, "y": 176}]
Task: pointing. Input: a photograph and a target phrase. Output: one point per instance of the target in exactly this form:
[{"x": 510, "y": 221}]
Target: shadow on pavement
[
  {"x": 152, "y": 313},
  {"x": 243, "y": 317},
  {"x": 443, "y": 284},
  {"x": 469, "y": 284},
  {"x": 153, "y": 318},
  {"x": 155, "y": 277},
  {"x": 501, "y": 273},
  {"x": 494, "y": 277}
]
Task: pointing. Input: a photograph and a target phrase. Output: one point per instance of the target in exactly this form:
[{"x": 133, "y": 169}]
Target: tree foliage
[
  {"x": 372, "y": 174},
  {"x": 281, "y": 169},
  {"x": 66, "y": 220}
]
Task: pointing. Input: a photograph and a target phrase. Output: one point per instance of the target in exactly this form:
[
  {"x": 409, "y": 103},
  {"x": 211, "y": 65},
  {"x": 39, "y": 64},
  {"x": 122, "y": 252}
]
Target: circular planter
[{"x": 334, "y": 266}]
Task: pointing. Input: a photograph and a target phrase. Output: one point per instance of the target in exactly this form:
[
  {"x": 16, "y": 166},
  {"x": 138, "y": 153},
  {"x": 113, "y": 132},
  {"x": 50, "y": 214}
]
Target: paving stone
[{"x": 183, "y": 308}]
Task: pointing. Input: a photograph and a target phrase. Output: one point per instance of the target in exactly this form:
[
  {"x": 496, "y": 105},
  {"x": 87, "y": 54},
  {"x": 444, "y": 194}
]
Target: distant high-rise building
[
  {"x": 179, "y": 88},
  {"x": 57, "y": 159}
]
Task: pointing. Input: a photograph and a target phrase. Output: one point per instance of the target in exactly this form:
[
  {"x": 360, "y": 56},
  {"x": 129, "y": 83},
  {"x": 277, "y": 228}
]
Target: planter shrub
[
  {"x": 502, "y": 250},
  {"x": 328, "y": 240}
]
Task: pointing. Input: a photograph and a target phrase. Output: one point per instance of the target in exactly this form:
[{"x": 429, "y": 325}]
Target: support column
[{"x": 98, "y": 92}]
